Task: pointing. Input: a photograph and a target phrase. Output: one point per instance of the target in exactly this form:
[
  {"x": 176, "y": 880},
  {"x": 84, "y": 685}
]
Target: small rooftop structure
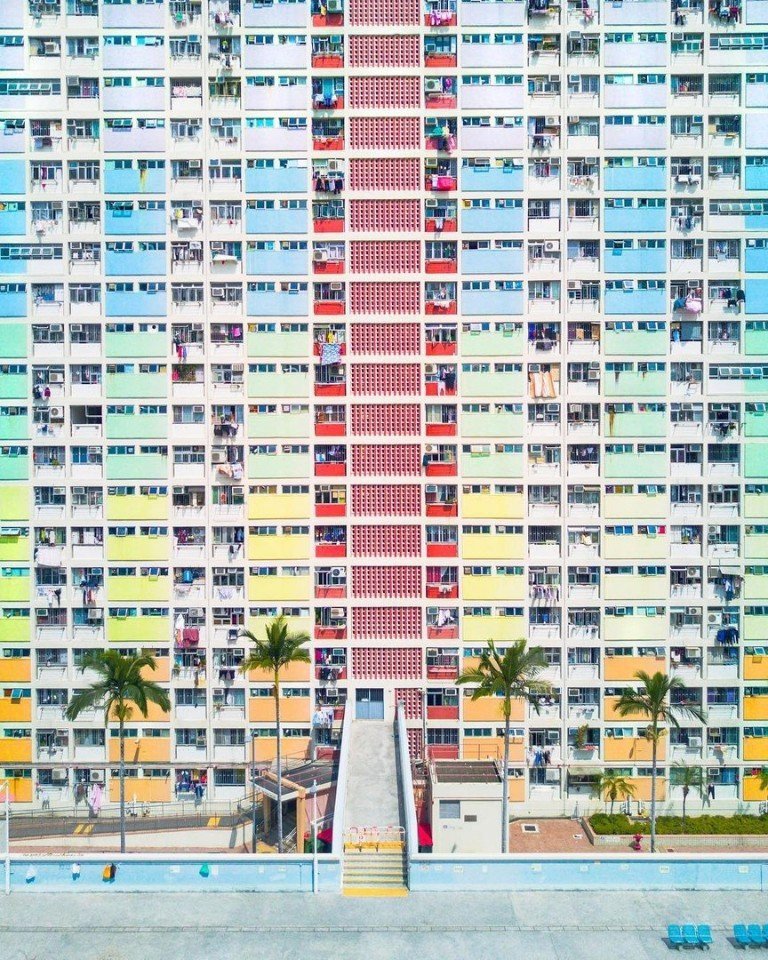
[
  {"x": 465, "y": 806},
  {"x": 465, "y": 771}
]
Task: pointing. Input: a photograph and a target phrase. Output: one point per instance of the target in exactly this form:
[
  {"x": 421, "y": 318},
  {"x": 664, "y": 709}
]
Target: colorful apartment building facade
[{"x": 420, "y": 323}]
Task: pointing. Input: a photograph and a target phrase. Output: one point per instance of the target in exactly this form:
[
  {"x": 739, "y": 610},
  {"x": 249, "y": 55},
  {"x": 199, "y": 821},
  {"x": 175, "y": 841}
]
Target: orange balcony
[
  {"x": 442, "y": 713},
  {"x": 441, "y": 266},
  {"x": 441, "y": 429},
  {"x": 330, "y": 469},
  {"x": 443, "y": 751},
  {"x": 292, "y": 709},
  {"x": 440, "y": 60},
  {"x": 141, "y": 749},
  {"x": 328, "y": 266},
  {"x": 15, "y": 711},
  {"x": 625, "y": 668},
  {"x": 16, "y": 669},
  {"x": 292, "y": 673},
  {"x": 490, "y": 709},
  {"x": 609, "y": 705},
  {"x": 142, "y": 789},
  {"x": 20, "y": 789},
  {"x": 630, "y": 750},
  {"x": 16, "y": 749},
  {"x": 440, "y": 348},
  {"x": 327, "y": 143},
  {"x": 330, "y": 549},
  {"x": 330, "y": 593},
  {"x": 327, "y": 60}
]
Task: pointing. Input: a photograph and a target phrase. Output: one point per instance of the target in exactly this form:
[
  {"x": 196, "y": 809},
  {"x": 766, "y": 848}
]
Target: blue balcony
[
  {"x": 639, "y": 302},
  {"x": 635, "y": 178},
  {"x": 756, "y": 177},
  {"x": 493, "y": 220},
  {"x": 277, "y": 303},
  {"x": 632, "y": 220},
  {"x": 492, "y": 261},
  {"x": 12, "y": 14},
  {"x": 136, "y": 303},
  {"x": 276, "y": 179},
  {"x": 276, "y": 220},
  {"x": 628, "y": 262},
  {"x": 503, "y": 303},
  {"x": 757, "y": 295},
  {"x": 135, "y": 263},
  {"x": 756, "y": 221},
  {"x": 492, "y": 179},
  {"x": 12, "y": 178},
  {"x": 287, "y": 263},
  {"x": 148, "y": 223},
  {"x": 13, "y": 300},
  {"x": 756, "y": 259},
  {"x": 13, "y": 220},
  {"x": 133, "y": 181}
]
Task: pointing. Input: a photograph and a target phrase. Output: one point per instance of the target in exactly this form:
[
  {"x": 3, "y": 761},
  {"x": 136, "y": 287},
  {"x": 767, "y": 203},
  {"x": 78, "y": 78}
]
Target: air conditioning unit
[
  {"x": 713, "y": 618},
  {"x": 628, "y": 284},
  {"x": 336, "y": 286},
  {"x": 551, "y": 121},
  {"x": 593, "y": 375},
  {"x": 194, "y": 164},
  {"x": 691, "y": 611},
  {"x": 217, "y": 293},
  {"x": 320, "y": 256},
  {"x": 678, "y": 37},
  {"x": 573, "y": 78},
  {"x": 715, "y": 171},
  {"x": 58, "y": 327},
  {"x": 50, "y": 46},
  {"x": 56, "y": 377},
  {"x": 694, "y": 742},
  {"x": 574, "y": 284},
  {"x": 574, "y": 119},
  {"x": 551, "y": 246},
  {"x": 430, "y": 202},
  {"x": 334, "y": 6},
  {"x": 433, "y": 85},
  {"x": 73, "y": 327},
  {"x": 218, "y": 455},
  {"x": 198, "y": 326},
  {"x": 683, "y": 178},
  {"x": 94, "y": 614},
  {"x": 56, "y": 413},
  {"x": 198, "y": 408},
  {"x": 59, "y": 776},
  {"x": 97, "y": 776}
]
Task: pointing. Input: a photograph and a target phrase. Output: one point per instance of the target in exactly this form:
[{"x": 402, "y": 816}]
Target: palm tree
[
  {"x": 512, "y": 676},
  {"x": 277, "y": 650},
  {"x": 652, "y": 701},
  {"x": 611, "y": 787},
  {"x": 121, "y": 687},
  {"x": 689, "y": 778}
]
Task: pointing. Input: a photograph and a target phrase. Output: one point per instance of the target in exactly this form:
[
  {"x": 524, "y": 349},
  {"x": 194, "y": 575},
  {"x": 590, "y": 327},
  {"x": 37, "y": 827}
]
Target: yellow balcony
[
  {"x": 141, "y": 749},
  {"x": 755, "y": 667},
  {"x": 15, "y": 503},
  {"x": 154, "y": 715},
  {"x": 755, "y": 748},
  {"x": 482, "y": 629},
  {"x": 279, "y": 588},
  {"x": 493, "y": 506},
  {"x": 610, "y": 712},
  {"x": 642, "y": 787},
  {"x": 622, "y": 587},
  {"x": 493, "y": 587},
  {"x": 756, "y": 708},
  {"x": 755, "y": 628},
  {"x": 257, "y": 626},
  {"x": 134, "y": 589},
  {"x": 15, "y": 669},
  {"x": 142, "y": 789},
  {"x": 279, "y": 547},
  {"x": 265, "y": 750},
  {"x": 634, "y": 506},
  {"x": 138, "y": 548},
  {"x": 751, "y": 789},
  {"x": 630, "y": 750},
  {"x": 485, "y": 748},
  {"x": 292, "y": 673},
  {"x": 625, "y": 668},
  {"x": 492, "y": 546},
  {"x": 292, "y": 710},
  {"x": 490, "y": 709},
  {"x": 634, "y": 628},
  {"x": 15, "y": 589},
  {"x": 517, "y": 790},
  {"x": 16, "y": 749},
  {"x": 15, "y": 629},
  {"x": 136, "y": 506},
  {"x": 138, "y": 629},
  {"x": 279, "y": 506},
  {"x": 14, "y": 548},
  {"x": 15, "y": 711},
  {"x": 635, "y": 547},
  {"x": 21, "y": 789}
]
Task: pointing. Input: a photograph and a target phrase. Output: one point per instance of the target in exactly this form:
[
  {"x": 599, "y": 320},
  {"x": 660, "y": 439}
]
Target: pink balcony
[
  {"x": 442, "y": 510},
  {"x": 441, "y": 266},
  {"x": 441, "y": 429},
  {"x": 442, "y": 591},
  {"x": 330, "y": 429},
  {"x": 328, "y": 266},
  {"x": 330, "y": 549},
  {"x": 447, "y": 225},
  {"x": 331, "y": 389},
  {"x": 440, "y": 307},
  {"x": 330, "y": 470},
  {"x": 443, "y": 751},
  {"x": 328, "y": 308},
  {"x": 329, "y": 225},
  {"x": 441, "y": 348},
  {"x": 327, "y": 60},
  {"x": 442, "y": 713},
  {"x": 442, "y": 549},
  {"x": 330, "y": 633},
  {"x": 442, "y": 673},
  {"x": 327, "y": 143},
  {"x": 330, "y": 593},
  {"x": 331, "y": 510},
  {"x": 441, "y": 182},
  {"x": 448, "y": 632}
]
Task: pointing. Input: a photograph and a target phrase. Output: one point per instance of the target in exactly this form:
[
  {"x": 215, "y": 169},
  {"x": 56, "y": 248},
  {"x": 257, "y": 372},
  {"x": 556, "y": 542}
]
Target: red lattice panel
[
  {"x": 412, "y": 700},
  {"x": 385, "y": 338},
  {"x": 386, "y": 500},
  {"x": 384, "y": 216},
  {"x": 386, "y": 419},
  {"x": 397, "y": 540},
  {"x": 384, "y": 133},
  {"x": 386, "y": 459},
  {"x": 385, "y": 93},
  {"x": 388, "y": 51},
  {"x": 384, "y": 173},
  {"x": 385, "y": 256},
  {"x": 382, "y": 379},
  {"x": 374, "y": 297},
  {"x": 386, "y": 623},
  {"x": 386, "y": 582}
]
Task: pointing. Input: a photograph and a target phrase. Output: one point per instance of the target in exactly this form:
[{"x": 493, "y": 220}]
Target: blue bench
[{"x": 689, "y": 935}]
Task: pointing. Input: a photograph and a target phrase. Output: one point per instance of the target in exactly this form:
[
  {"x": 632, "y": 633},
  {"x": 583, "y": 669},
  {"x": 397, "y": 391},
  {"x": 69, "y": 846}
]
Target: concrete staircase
[{"x": 368, "y": 872}]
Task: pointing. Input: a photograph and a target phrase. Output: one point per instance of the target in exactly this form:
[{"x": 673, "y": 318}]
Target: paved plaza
[{"x": 469, "y": 926}]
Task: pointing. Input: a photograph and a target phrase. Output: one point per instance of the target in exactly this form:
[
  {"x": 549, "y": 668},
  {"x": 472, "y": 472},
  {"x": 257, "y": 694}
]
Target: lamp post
[
  {"x": 6, "y": 788},
  {"x": 313, "y": 794},
  {"x": 253, "y": 793}
]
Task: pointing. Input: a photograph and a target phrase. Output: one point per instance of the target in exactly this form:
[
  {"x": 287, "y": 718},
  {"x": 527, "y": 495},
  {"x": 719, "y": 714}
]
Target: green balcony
[
  {"x": 135, "y": 426},
  {"x": 139, "y": 466}
]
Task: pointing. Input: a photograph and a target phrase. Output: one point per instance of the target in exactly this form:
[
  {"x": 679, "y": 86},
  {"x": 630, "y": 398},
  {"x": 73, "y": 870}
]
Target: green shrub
[{"x": 617, "y": 824}]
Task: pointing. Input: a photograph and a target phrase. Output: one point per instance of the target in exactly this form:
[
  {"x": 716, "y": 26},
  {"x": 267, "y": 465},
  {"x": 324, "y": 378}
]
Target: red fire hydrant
[{"x": 637, "y": 841}]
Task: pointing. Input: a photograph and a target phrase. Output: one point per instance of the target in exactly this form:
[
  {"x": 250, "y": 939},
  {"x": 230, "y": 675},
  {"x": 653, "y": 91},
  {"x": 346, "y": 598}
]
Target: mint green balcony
[
  {"x": 756, "y": 424},
  {"x": 756, "y": 461},
  {"x": 755, "y": 627},
  {"x": 277, "y": 343},
  {"x": 134, "y": 386},
  {"x": 14, "y": 467},
  {"x": 278, "y": 384},
  {"x": 136, "y": 426},
  {"x": 635, "y": 343},
  {"x": 492, "y": 343},
  {"x": 635, "y": 466},
  {"x": 650, "y": 424},
  {"x": 630, "y": 383},
  {"x": 277, "y": 425},
  {"x": 13, "y": 386},
  {"x": 492, "y": 464},
  {"x": 15, "y": 427},
  {"x": 492, "y": 384},
  {"x": 266, "y": 466},
  {"x": 137, "y": 466},
  {"x": 755, "y": 338},
  {"x": 128, "y": 345},
  {"x": 13, "y": 337},
  {"x": 492, "y": 424}
]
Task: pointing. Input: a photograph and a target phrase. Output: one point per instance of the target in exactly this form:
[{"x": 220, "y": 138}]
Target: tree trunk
[
  {"x": 654, "y": 748},
  {"x": 279, "y": 768},
  {"x": 121, "y": 731},
  {"x": 685, "y": 797},
  {"x": 505, "y": 787}
]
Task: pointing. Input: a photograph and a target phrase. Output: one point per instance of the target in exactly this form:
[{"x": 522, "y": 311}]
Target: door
[{"x": 369, "y": 704}]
